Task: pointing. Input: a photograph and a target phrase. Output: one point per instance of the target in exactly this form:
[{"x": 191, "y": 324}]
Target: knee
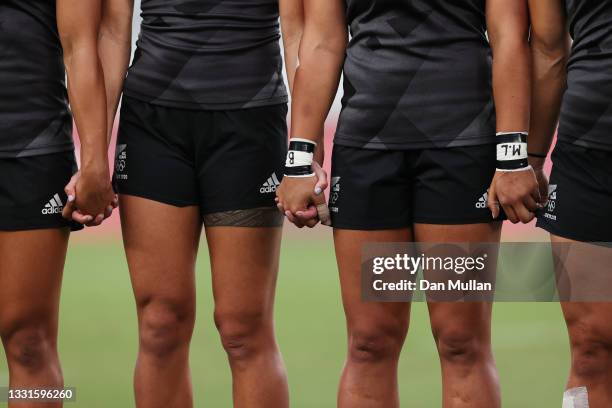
[
  {"x": 591, "y": 352},
  {"x": 244, "y": 335},
  {"x": 165, "y": 328},
  {"x": 460, "y": 346},
  {"x": 29, "y": 347},
  {"x": 376, "y": 343}
]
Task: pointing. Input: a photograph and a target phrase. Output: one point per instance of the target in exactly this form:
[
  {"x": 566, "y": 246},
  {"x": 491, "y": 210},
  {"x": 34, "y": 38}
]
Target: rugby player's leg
[
  {"x": 590, "y": 333},
  {"x": 580, "y": 196},
  {"x": 462, "y": 331},
  {"x": 161, "y": 243},
  {"x": 30, "y": 280},
  {"x": 244, "y": 270},
  {"x": 376, "y": 331}
]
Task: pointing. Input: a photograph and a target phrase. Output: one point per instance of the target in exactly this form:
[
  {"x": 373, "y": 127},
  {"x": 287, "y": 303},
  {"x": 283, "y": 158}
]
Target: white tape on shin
[{"x": 576, "y": 398}]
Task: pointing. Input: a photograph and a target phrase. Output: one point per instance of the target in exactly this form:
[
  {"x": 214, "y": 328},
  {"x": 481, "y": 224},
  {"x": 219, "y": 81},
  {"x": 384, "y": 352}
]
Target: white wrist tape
[
  {"x": 299, "y": 158},
  {"x": 512, "y": 151}
]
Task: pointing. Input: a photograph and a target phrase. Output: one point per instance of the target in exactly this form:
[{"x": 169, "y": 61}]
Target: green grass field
[{"x": 98, "y": 336}]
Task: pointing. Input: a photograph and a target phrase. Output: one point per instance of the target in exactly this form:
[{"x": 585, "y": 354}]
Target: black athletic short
[
  {"x": 383, "y": 189},
  {"x": 32, "y": 191},
  {"x": 220, "y": 161},
  {"x": 580, "y": 194}
]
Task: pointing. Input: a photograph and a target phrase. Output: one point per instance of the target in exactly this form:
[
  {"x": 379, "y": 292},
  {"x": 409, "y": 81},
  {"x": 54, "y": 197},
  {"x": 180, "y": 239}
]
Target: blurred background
[{"x": 98, "y": 331}]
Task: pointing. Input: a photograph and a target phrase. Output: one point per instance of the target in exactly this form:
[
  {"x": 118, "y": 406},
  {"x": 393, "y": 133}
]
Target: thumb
[
  {"x": 321, "y": 178},
  {"x": 493, "y": 202},
  {"x": 70, "y": 188},
  {"x": 68, "y": 210}
]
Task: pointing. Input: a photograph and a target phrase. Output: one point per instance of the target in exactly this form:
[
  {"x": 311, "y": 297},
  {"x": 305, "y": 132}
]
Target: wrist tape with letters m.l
[
  {"x": 299, "y": 158},
  {"x": 512, "y": 151}
]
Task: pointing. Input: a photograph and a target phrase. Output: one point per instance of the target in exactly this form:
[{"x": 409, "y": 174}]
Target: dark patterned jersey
[
  {"x": 208, "y": 54},
  {"x": 586, "y": 113},
  {"x": 417, "y": 75},
  {"x": 34, "y": 114}
]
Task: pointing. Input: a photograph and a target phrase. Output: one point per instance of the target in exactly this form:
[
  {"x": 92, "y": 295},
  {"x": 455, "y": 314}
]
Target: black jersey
[
  {"x": 208, "y": 54},
  {"x": 34, "y": 114},
  {"x": 586, "y": 113},
  {"x": 417, "y": 75}
]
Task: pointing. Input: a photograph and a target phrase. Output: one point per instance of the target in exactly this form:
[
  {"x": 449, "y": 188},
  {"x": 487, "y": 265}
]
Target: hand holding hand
[
  {"x": 517, "y": 192},
  {"x": 98, "y": 195},
  {"x": 302, "y": 199}
]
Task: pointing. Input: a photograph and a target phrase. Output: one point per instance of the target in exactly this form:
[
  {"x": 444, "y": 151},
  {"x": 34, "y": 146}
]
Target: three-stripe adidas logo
[
  {"x": 482, "y": 201},
  {"x": 54, "y": 206},
  {"x": 270, "y": 185}
]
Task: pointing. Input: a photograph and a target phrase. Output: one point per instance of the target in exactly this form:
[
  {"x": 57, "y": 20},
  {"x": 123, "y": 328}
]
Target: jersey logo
[
  {"x": 270, "y": 185},
  {"x": 54, "y": 206}
]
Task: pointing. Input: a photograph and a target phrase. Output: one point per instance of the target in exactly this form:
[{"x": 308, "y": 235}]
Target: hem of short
[
  {"x": 432, "y": 221},
  {"x": 279, "y": 100},
  {"x": 587, "y": 144},
  {"x": 41, "y": 151},
  {"x": 563, "y": 234},
  {"x": 158, "y": 198},
  {"x": 238, "y": 208},
  {"x": 347, "y": 141}
]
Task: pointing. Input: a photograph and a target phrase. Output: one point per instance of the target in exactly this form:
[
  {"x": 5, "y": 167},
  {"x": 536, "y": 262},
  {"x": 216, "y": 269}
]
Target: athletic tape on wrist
[
  {"x": 512, "y": 151},
  {"x": 299, "y": 158}
]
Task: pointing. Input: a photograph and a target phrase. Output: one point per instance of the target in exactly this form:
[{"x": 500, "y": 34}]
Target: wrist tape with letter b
[
  {"x": 299, "y": 158},
  {"x": 512, "y": 151}
]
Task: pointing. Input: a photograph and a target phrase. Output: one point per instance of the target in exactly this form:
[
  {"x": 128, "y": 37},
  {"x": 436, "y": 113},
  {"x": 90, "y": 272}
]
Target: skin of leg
[
  {"x": 244, "y": 271},
  {"x": 590, "y": 332},
  {"x": 462, "y": 331},
  {"x": 376, "y": 331},
  {"x": 30, "y": 281},
  {"x": 161, "y": 243}
]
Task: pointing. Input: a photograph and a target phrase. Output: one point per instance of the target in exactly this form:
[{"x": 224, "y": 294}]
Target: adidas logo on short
[
  {"x": 482, "y": 201},
  {"x": 54, "y": 206},
  {"x": 270, "y": 185}
]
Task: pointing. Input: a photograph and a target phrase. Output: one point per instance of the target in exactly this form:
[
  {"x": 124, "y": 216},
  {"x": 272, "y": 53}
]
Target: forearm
[
  {"x": 549, "y": 78},
  {"x": 78, "y": 24},
  {"x": 115, "y": 49},
  {"x": 321, "y": 57},
  {"x": 292, "y": 25},
  {"x": 291, "y": 61},
  {"x": 511, "y": 84},
  {"x": 88, "y": 101},
  {"x": 316, "y": 84},
  {"x": 549, "y": 48}
]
